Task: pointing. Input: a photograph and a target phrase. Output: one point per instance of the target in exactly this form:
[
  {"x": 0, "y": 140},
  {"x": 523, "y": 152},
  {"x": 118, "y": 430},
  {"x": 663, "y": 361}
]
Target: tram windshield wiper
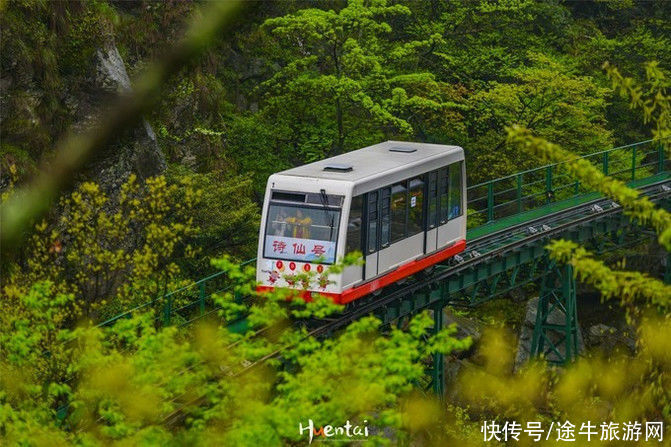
[
  {"x": 325, "y": 204},
  {"x": 324, "y": 198}
]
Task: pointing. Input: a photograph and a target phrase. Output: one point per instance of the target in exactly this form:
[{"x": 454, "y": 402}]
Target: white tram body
[{"x": 402, "y": 205}]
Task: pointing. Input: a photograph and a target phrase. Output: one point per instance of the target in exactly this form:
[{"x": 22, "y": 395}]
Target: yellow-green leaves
[
  {"x": 627, "y": 387},
  {"x": 652, "y": 98},
  {"x": 110, "y": 253},
  {"x": 633, "y": 289},
  {"x": 635, "y": 206}
]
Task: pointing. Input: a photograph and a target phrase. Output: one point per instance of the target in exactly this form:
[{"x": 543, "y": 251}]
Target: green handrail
[
  {"x": 199, "y": 283},
  {"x": 532, "y": 188}
]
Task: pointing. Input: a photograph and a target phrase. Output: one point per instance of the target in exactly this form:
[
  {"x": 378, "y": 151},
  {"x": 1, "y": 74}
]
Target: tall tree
[
  {"x": 335, "y": 87},
  {"x": 547, "y": 98}
]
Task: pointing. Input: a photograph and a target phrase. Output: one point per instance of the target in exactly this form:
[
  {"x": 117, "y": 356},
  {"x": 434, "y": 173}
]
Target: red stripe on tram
[{"x": 397, "y": 274}]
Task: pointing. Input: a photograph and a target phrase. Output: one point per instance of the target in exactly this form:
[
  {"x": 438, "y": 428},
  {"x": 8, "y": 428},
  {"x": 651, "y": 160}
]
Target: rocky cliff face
[
  {"x": 60, "y": 71},
  {"x": 137, "y": 150}
]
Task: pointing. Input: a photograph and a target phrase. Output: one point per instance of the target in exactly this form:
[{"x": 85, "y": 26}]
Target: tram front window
[{"x": 301, "y": 233}]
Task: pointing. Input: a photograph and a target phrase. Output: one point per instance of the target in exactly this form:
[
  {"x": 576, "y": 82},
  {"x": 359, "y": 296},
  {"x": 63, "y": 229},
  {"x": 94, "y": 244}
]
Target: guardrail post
[
  {"x": 570, "y": 303},
  {"x": 633, "y": 163},
  {"x": 201, "y": 297},
  {"x": 519, "y": 193},
  {"x": 660, "y": 157},
  {"x": 490, "y": 201},
  {"x": 605, "y": 162},
  {"x": 548, "y": 183}
]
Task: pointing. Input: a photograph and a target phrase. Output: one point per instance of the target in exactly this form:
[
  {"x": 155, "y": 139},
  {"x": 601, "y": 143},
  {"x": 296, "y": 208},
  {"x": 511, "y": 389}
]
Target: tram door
[
  {"x": 431, "y": 233},
  {"x": 378, "y": 209},
  {"x": 371, "y": 234}
]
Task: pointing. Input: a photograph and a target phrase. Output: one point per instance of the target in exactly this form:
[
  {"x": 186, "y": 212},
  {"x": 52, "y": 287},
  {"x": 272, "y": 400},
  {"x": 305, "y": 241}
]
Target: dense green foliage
[
  {"x": 110, "y": 255},
  {"x": 133, "y": 383},
  {"x": 297, "y": 84}
]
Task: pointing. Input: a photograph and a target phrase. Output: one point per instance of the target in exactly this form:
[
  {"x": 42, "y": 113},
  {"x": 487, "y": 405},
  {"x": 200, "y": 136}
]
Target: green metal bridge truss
[
  {"x": 489, "y": 270},
  {"x": 515, "y": 218}
]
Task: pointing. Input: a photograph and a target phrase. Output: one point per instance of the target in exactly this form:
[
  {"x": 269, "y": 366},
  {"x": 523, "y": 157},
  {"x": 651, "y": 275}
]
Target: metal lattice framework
[{"x": 557, "y": 341}]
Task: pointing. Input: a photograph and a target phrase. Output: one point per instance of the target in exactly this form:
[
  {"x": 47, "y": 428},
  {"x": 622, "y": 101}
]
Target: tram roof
[{"x": 379, "y": 160}]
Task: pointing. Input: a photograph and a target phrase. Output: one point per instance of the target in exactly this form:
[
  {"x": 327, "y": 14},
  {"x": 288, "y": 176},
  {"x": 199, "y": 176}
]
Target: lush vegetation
[
  {"x": 296, "y": 83},
  {"x": 515, "y": 82}
]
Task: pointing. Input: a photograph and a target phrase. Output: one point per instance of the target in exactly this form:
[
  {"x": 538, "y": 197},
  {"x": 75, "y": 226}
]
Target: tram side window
[
  {"x": 354, "y": 225},
  {"x": 385, "y": 220},
  {"x": 416, "y": 206},
  {"x": 443, "y": 188},
  {"x": 398, "y": 211},
  {"x": 456, "y": 185}
]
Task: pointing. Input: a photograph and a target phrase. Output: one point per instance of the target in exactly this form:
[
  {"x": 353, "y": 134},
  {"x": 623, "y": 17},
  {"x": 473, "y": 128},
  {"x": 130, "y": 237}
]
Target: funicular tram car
[{"x": 402, "y": 205}]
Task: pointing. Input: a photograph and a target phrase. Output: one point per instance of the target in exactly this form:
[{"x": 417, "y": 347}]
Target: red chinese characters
[
  {"x": 299, "y": 249},
  {"x": 304, "y": 250},
  {"x": 279, "y": 246},
  {"x": 318, "y": 249}
]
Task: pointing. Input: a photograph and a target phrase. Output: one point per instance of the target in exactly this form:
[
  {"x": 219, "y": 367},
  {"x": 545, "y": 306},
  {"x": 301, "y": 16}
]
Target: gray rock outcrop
[
  {"x": 137, "y": 150},
  {"x": 455, "y": 363},
  {"x": 608, "y": 339}
]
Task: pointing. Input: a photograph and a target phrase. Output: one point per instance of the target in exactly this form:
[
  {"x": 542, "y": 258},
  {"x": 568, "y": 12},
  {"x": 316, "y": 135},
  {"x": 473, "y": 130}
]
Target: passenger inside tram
[{"x": 301, "y": 225}]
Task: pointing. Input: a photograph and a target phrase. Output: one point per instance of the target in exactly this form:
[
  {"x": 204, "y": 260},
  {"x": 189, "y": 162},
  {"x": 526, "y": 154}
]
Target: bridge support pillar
[
  {"x": 556, "y": 330},
  {"x": 438, "y": 370}
]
